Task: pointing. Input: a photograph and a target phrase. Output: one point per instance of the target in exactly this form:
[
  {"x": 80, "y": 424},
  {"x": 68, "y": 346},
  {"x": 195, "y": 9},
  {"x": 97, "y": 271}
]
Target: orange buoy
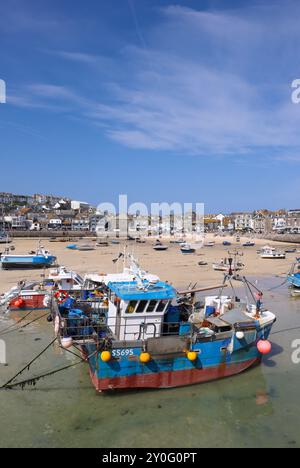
[
  {"x": 106, "y": 356},
  {"x": 145, "y": 358},
  {"x": 264, "y": 347}
]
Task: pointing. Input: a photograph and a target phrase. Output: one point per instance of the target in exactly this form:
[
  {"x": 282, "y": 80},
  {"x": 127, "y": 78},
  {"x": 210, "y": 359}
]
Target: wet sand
[{"x": 171, "y": 265}]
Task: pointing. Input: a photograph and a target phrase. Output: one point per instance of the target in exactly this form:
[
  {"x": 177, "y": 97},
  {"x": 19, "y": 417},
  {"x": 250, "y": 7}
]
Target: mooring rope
[
  {"x": 279, "y": 286},
  {"x": 16, "y": 323},
  {"x": 24, "y": 326},
  {"x": 33, "y": 380},
  {"x": 285, "y": 331},
  {"x": 27, "y": 367}
]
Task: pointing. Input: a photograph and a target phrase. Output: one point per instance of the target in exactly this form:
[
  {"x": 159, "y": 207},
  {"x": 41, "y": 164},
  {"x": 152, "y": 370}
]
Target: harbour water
[{"x": 259, "y": 408}]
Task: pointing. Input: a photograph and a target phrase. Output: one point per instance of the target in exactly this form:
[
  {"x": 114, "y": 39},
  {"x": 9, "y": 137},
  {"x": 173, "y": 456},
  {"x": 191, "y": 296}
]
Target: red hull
[
  {"x": 34, "y": 302},
  {"x": 172, "y": 379}
]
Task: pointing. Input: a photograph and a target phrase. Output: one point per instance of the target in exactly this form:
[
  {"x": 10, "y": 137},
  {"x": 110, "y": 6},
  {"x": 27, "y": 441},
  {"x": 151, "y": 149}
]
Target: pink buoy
[{"x": 264, "y": 347}]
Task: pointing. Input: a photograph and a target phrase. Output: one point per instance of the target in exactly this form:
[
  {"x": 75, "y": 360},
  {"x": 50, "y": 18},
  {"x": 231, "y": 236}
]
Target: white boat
[
  {"x": 268, "y": 252},
  {"x": 224, "y": 265},
  {"x": 31, "y": 295},
  {"x": 187, "y": 249},
  {"x": 209, "y": 244}
]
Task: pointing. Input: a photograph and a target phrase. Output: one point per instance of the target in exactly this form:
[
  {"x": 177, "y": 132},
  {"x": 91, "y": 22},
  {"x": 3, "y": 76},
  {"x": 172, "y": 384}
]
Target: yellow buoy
[
  {"x": 192, "y": 356},
  {"x": 145, "y": 357},
  {"x": 106, "y": 356}
]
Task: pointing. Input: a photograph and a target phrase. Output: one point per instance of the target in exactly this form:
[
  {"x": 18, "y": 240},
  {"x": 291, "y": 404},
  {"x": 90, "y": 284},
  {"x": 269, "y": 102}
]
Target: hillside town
[{"x": 52, "y": 213}]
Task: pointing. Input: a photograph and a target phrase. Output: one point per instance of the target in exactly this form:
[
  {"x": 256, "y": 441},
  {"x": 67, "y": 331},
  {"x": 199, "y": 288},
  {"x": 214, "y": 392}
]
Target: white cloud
[{"x": 208, "y": 83}]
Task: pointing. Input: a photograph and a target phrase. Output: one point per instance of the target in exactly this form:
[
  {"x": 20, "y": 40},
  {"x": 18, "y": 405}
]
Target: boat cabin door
[{"x": 142, "y": 319}]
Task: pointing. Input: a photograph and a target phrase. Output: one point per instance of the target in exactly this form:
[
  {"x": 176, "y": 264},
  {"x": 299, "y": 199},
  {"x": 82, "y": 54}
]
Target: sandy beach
[{"x": 171, "y": 265}]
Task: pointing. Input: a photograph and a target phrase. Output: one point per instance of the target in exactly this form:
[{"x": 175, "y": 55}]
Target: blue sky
[{"x": 185, "y": 101}]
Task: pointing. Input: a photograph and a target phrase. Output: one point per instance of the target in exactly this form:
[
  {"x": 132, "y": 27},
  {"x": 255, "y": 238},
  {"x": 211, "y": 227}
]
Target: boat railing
[{"x": 91, "y": 324}]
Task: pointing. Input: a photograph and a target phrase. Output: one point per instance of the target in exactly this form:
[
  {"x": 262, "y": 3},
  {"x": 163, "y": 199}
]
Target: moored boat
[
  {"x": 294, "y": 278},
  {"x": 143, "y": 338},
  {"x": 39, "y": 259},
  {"x": 159, "y": 247},
  {"x": 32, "y": 295},
  {"x": 227, "y": 244},
  {"x": 187, "y": 249},
  {"x": 226, "y": 266},
  {"x": 268, "y": 252},
  {"x": 249, "y": 244}
]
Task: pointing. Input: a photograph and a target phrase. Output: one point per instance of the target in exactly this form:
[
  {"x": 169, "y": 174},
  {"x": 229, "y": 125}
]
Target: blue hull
[
  {"x": 38, "y": 261},
  {"x": 214, "y": 361},
  {"x": 294, "y": 280}
]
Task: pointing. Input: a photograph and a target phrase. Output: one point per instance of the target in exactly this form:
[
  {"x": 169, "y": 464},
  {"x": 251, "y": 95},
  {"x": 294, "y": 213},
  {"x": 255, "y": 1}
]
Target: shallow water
[{"x": 256, "y": 409}]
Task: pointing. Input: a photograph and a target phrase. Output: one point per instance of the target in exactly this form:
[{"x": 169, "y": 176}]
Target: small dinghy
[
  {"x": 102, "y": 244},
  {"x": 85, "y": 248},
  {"x": 187, "y": 249},
  {"x": 209, "y": 244},
  {"x": 72, "y": 247},
  {"x": 249, "y": 244},
  {"x": 227, "y": 244},
  {"x": 159, "y": 247}
]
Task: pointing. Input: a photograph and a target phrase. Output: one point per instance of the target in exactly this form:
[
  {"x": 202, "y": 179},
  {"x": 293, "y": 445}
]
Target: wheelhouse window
[
  {"x": 162, "y": 306},
  {"x": 131, "y": 307},
  {"x": 151, "y": 306},
  {"x": 141, "y": 307}
]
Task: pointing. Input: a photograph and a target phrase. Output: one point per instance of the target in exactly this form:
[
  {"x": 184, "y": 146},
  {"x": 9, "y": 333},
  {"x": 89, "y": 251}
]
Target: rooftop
[{"x": 130, "y": 291}]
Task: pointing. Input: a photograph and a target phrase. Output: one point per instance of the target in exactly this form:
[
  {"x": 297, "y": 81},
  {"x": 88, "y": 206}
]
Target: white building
[{"x": 79, "y": 206}]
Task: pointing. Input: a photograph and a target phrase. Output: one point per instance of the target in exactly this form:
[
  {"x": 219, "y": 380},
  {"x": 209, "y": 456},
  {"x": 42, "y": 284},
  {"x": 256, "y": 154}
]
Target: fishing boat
[
  {"x": 187, "y": 249},
  {"x": 143, "y": 336},
  {"x": 32, "y": 295},
  {"x": 268, "y": 252},
  {"x": 39, "y": 259}
]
